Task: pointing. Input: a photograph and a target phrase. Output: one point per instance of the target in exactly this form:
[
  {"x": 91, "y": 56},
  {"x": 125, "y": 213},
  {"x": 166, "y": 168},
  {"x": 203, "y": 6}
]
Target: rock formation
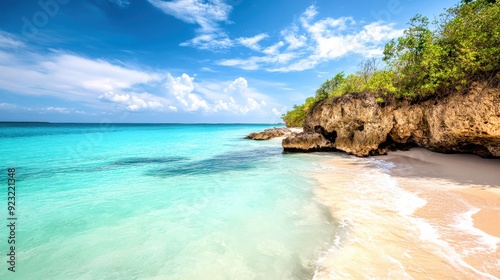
[
  {"x": 272, "y": 133},
  {"x": 356, "y": 124}
]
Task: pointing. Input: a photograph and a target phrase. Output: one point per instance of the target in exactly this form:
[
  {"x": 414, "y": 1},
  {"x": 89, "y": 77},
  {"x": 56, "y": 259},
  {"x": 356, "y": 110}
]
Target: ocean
[
  {"x": 159, "y": 201},
  {"x": 197, "y": 201}
]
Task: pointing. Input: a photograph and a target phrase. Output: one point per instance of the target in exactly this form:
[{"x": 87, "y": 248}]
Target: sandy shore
[
  {"x": 462, "y": 169},
  {"x": 463, "y": 202},
  {"x": 412, "y": 215},
  {"x": 487, "y": 218},
  {"x": 477, "y": 180}
]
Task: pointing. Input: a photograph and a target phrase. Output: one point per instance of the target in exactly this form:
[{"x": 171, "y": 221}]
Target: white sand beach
[{"x": 412, "y": 215}]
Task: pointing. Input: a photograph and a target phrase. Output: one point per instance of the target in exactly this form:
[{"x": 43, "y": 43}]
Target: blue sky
[{"x": 184, "y": 60}]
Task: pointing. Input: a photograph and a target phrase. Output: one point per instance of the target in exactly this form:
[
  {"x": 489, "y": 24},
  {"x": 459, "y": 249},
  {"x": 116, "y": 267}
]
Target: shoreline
[
  {"x": 434, "y": 215},
  {"x": 487, "y": 218},
  {"x": 476, "y": 180}
]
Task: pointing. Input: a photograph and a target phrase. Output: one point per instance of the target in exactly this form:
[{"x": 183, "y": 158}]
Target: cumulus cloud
[
  {"x": 234, "y": 97},
  {"x": 182, "y": 88},
  {"x": 238, "y": 85},
  {"x": 135, "y": 101},
  {"x": 239, "y": 89}
]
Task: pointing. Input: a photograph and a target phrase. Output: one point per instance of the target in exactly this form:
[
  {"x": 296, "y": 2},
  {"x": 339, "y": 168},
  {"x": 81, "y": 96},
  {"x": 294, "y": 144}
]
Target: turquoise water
[{"x": 158, "y": 202}]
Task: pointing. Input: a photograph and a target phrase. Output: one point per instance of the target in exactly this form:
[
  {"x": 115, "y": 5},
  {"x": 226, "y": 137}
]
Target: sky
[{"x": 184, "y": 61}]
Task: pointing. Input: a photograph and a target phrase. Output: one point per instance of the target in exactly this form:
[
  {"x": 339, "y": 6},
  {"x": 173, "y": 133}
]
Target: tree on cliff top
[
  {"x": 425, "y": 63},
  {"x": 465, "y": 48}
]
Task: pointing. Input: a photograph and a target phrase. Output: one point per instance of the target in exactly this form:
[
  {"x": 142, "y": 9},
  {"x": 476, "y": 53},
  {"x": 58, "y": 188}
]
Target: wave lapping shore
[{"x": 411, "y": 215}]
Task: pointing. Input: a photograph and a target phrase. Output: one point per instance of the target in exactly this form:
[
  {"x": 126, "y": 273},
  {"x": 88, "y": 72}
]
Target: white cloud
[
  {"x": 252, "y": 104},
  {"x": 252, "y": 42},
  {"x": 7, "y": 106},
  {"x": 62, "y": 110},
  {"x": 293, "y": 38},
  {"x": 206, "y": 14},
  {"x": 67, "y": 76},
  {"x": 299, "y": 65},
  {"x": 135, "y": 101},
  {"x": 208, "y": 69},
  {"x": 255, "y": 62},
  {"x": 274, "y": 49},
  {"x": 182, "y": 88},
  {"x": 212, "y": 41},
  {"x": 310, "y": 42},
  {"x": 309, "y": 13},
  {"x": 233, "y": 97},
  {"x": 238, "y": 85},
  {"x": 277, "y": 112},
  {"x": 120, "y": 3},
  {"x": 40, "y": 110},
  {"x": 7, "y": 41}
]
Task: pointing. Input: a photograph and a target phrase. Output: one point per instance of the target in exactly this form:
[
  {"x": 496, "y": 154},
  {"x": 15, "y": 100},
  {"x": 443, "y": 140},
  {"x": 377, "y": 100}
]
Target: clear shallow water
[{"x": 159, "y": 202}]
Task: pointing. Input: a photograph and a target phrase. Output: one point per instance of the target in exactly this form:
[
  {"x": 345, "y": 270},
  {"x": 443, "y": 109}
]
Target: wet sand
[
  {"x": 487, "y": 200},
  {"x": 476, "y": 180},
  {"x": 412, "y": 215}
]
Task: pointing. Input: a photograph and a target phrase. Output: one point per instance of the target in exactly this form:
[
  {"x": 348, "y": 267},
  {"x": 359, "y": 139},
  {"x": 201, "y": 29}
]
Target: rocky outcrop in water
[
  {"x": 272, "y": 133},
  {"x": 356, "y": 124},
  {"x": 307, "y": 142}
]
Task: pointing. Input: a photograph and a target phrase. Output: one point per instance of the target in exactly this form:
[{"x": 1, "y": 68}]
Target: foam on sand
[{"x": 407, "y": 216}]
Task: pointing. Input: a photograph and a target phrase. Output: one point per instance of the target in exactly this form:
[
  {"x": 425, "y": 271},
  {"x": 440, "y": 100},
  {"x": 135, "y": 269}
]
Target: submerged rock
[{"x": 356, "y": 124}]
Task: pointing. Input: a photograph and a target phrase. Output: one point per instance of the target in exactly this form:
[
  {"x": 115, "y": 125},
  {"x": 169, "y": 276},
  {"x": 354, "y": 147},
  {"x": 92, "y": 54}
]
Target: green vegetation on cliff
[{"x": 462, "y": 48}]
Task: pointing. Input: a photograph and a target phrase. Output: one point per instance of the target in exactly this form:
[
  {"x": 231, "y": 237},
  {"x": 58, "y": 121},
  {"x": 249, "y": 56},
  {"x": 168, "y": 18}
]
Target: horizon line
[{"x": 41, "y": 122}]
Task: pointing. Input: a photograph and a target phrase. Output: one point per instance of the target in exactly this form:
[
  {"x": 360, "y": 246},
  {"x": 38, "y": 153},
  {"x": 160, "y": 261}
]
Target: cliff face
[{"x": 356, "y": 124}]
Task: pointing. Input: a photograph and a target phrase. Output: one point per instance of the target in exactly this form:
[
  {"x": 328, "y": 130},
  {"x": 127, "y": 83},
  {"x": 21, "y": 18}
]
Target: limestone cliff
[{"x": 356, "y": 124}]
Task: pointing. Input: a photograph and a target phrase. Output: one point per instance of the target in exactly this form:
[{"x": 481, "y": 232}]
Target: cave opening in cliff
[{"x": 330, "y": 136}]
